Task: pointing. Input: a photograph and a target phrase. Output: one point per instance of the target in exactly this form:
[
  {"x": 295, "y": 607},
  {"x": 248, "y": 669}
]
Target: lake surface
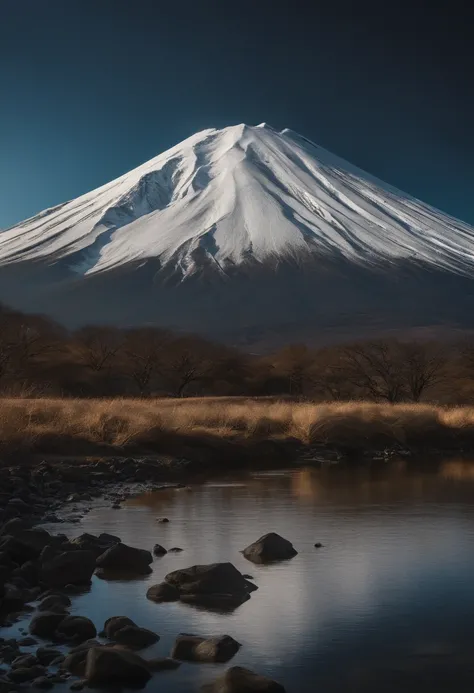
[{"x": 387, "y": 603}]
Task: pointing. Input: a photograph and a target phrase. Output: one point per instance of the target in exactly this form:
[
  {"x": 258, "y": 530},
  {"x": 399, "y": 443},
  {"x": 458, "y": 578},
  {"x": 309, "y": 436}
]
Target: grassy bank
[{"x": 222, "y": 427}]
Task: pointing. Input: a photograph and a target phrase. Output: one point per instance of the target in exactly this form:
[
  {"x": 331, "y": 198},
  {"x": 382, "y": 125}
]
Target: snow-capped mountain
[{"x": 243, "y": 230}]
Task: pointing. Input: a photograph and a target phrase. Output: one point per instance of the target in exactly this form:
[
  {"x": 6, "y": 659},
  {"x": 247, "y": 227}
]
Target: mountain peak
[{"x": 233, "y": 200}]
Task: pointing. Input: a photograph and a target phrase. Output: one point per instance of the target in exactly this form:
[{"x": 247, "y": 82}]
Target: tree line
[{"x": 40, "y": 357}]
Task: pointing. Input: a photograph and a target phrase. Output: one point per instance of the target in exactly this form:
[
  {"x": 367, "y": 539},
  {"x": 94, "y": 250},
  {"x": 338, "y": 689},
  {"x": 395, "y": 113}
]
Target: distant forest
[{"x": 38, "y": 357}]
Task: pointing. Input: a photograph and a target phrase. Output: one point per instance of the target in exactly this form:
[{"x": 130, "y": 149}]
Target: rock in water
[
  {"x": 195, "y": 649},
  {"x": 127, "y": 559},
  {"x": 159, "y": 550},
  {"x": 69, "y": 568},
  {"x": 116, "y": 623},
  {"x": 164, "y": 592},
  {"x": 271, "y": 547},
  {"x": 54, "y": 602},
  {"x": 240, "y": 680},
  {"x": 217, "y": 584},
  {"x": 22, "y": 675},
  {"x": 75, "y": 661},
  {"x": 136, "y": 638},
  {"x": 45, "y": 623},
  {"x": 77, "y": 629},
  {"x": 106, "y": 666}
]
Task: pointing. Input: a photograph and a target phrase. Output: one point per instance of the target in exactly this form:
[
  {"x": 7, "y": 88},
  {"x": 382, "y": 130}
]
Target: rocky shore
[{"x": 41, "y": 573}]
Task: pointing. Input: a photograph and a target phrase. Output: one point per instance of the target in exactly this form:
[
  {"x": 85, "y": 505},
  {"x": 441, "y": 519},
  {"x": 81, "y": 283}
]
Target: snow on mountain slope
[
  {"x": 242, "y": 233},
  {"x": 238, "y": 193}
]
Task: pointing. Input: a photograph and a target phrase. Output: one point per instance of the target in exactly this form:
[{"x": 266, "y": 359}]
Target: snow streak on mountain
[{"x": 231, "y": 207}]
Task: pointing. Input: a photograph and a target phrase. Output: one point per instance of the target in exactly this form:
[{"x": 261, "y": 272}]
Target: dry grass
[{"x": 76, "y": 427}]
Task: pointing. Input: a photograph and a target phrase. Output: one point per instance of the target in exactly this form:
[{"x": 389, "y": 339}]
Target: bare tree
[
  {"x": 375, "y": 370},
  {"x": 98, "y": 346},
  {"x": 423, "y": 367},
  {"x": 24, "y": 340},
  {"x": 296, "y": 363},
  {"x": 144, "y": 350},
  {"x": 187, "y": 368}
]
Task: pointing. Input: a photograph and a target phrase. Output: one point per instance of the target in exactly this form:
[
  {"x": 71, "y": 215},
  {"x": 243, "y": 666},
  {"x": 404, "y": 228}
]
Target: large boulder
[
  {"x": 195, "y": 649},
  {"x": 54, "y": 602},
  {"x": 116, "y": 623},
  {"x": 125, "y": 632},
  {"x": 163, "y": 592},
  {"x": 22, "y": 675},
  {"x": 240, "y": 680},
  {"x": 25, "y": 661},
  {"x": 45, "y": 623},
  {"x": 98, "y": 545},
  {"x": 75, "y": 660},
  {"x": 219, "y": 584},
  {"x": 270, "y": 547},
  {"x": 46, "y": 655},
  {"x": 125, "y": 559},
  {"x": 76, "y": 629},
  {"x": 26, "y": 545},
  {"x": 68, "y": 568},
  {"x": 136, "y": 638},
  {"x": 19, "y": 551},
  {"x": 14, "y": 526},
  {"x": 107, "y": 665}
]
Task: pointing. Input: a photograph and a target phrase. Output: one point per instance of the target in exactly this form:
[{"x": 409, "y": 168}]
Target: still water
[{"x": 386, "y": 604}]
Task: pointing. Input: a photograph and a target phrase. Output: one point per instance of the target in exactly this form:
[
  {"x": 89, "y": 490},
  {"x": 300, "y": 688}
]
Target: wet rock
[
  {"x": 15, "y": 525},
  {"x": 8, "y": 653},
  {"x": 71, "y": 567},
  {"x": 28, "y": 572},
  {"x": 75, "y": 661},
  {"x": 17, "y": 550},
  {"x": 164, "y": 592},
  {"x": 76, "y": 629},
  {"x": 135, "y": 637},
  {"x": 19, "y": 505},
  {"x": 27, "y": 642},
  {"x": 108, "y": 539},
  {"x": 116, "y": 623},
  {"x": 24, "y": 661},
  {"x": 14, "y": 597},
  {"x": 106, "y": 665},
  {"x": 88, "y": 542},
  {"x": 240, "y": 680},
  {"x": 175, "y": 549},
  {"x": 162, "y": 520},
  {"x": 45, "y": 623},
  {"x": 219, "y": 584},
  {"x": 162, "y": 664},
  {"x": 318, "y": 545},
  {"x": 54, "y": 602},
  {"x": 192, "y": 648},
  {"x": 47, "y": 554},
  {"x": 43, "y": 682},
  {"x": 121, "y": 557},
  {"x": 77, "y": 589},
  {"x": 248, "y": 577},
  {"x": 77, "y": 685},
  {"x": 159, "y": 550},
  {"x": 271, "y": 547},
  {"x": 24, "y": 674},
  {"x": 47, "y": 655}
]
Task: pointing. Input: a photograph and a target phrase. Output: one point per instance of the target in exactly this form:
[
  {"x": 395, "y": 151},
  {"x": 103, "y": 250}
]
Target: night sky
[{"x": 91, "y": 88}]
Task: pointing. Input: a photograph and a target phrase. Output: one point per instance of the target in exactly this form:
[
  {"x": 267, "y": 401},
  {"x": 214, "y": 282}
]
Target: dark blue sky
[{"x": 91, "y": 88}]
